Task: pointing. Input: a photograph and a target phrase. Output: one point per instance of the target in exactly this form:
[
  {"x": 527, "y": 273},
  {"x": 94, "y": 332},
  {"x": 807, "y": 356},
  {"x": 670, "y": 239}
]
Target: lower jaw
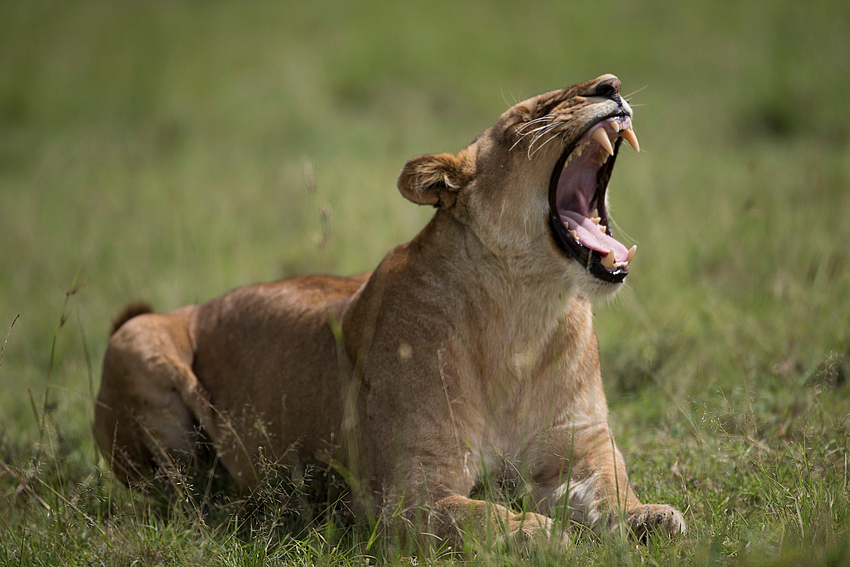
[{"x": 584, "y": 256}]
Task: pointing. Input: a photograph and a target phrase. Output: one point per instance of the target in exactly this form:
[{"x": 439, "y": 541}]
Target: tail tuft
[{"x": 133, "y": 309}]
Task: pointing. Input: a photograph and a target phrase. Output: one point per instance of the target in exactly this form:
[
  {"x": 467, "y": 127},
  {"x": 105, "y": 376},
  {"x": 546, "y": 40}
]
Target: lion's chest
[{"x": 510, "y": 420}]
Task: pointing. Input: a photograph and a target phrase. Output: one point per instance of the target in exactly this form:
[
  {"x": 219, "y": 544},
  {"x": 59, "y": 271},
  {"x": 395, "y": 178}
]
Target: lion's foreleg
[
  {"x": 455, "y": 521},
  {"x": 592, "y": 487},
  {"x": 585, "y": 477}
]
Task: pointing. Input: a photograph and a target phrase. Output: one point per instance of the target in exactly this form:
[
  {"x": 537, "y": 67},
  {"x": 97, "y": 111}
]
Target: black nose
[{"x": 608, "y": 88}]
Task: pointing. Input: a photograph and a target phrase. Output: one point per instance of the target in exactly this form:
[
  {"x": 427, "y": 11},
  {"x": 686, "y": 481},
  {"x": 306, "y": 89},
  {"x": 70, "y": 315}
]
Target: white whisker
[
  {"x": 542, "y": 131},
  {"x": 553, "y": 127},
  {"x": 544, "y": 127},
  {"x": 546, "y": 118},
  {"x": 514, "y": 145},
  {"x": 633, "y": 93},
  {"x": 540, "y": 147}
]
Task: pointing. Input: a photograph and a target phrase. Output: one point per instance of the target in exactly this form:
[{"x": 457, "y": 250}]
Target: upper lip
[{"x": 579, "y": 202}]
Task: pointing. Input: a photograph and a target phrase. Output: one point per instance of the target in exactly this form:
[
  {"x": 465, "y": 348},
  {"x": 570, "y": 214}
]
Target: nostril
[
  {"x": 608, "y": 87},
  {"x": 605, "y": 90}
]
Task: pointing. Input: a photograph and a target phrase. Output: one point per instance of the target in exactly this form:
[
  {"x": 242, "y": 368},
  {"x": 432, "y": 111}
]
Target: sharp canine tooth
[
  {"x": 602, "y": 139},
  {"x": 629, "y": 135},
  {"x": 631, "y": 255},
  {"x": 608, "y": 261},
  {"x": 574, "y": 233}
]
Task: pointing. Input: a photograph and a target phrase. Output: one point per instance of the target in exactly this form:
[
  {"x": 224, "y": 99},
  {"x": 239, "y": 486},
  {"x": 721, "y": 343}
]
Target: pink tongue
[{"x": 591, "y": 237}]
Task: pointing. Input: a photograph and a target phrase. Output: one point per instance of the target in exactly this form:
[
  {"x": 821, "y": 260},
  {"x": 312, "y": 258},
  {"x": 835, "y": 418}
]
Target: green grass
[{"x": 158, "y": 150}]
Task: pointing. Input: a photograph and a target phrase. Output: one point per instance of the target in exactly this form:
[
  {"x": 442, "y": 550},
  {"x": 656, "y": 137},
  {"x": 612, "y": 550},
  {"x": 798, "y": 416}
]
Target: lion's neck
[
  {"x": 513, "y": 307},
  {"x": 456, "y": 282}
]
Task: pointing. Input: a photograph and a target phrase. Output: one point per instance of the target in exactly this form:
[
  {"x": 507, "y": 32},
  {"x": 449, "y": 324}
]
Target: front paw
[
  {"x": 537, "y": 531},
  {"x": 655, "y": 518}
]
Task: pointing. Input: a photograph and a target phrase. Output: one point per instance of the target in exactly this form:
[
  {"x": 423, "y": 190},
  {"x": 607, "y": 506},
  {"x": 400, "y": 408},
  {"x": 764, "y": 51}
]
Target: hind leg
[{"x": 142, "y": 421}]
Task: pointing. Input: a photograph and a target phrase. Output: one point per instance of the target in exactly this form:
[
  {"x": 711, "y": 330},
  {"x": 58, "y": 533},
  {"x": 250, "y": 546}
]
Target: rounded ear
[{"x": 433, "y": 179}]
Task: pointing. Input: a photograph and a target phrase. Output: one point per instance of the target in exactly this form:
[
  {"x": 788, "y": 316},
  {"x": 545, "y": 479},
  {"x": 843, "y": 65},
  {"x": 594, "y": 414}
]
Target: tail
[{"x": 133, "y": 309}]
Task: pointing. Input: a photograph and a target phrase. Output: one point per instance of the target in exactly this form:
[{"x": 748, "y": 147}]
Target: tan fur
[{"x": 468, "y": 351}]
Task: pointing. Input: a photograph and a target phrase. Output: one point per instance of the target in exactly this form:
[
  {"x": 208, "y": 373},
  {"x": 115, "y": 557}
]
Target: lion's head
[{"x": 533, "y": 187}]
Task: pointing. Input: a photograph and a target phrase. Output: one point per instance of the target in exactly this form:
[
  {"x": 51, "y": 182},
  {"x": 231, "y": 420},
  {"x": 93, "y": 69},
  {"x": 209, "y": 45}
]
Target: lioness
[{"x": 468, "y": 352}]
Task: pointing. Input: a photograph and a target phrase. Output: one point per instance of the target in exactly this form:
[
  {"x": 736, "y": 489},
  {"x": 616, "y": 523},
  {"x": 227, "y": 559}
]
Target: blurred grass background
[{"x": 159, "y": 148}]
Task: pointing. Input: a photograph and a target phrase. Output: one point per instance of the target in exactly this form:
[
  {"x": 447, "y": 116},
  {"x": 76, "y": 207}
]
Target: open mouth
[{"x": 577, "y": 212}]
